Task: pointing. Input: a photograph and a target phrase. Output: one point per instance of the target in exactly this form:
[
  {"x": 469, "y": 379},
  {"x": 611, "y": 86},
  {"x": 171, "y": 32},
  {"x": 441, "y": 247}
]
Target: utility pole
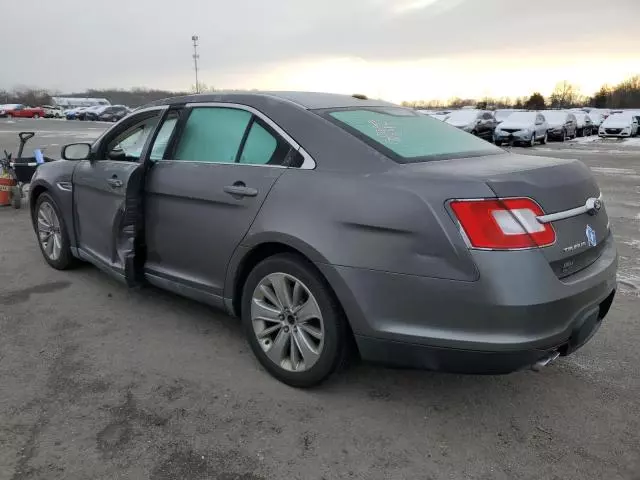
[{"x": 195, "y": 39}]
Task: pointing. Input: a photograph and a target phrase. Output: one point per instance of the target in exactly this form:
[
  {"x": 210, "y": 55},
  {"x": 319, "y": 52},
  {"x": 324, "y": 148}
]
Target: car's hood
[{"x": 518, "y": 125}]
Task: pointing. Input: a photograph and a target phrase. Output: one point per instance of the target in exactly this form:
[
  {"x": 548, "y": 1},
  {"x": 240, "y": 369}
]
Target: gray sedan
[{"x": 333, "y": 225}]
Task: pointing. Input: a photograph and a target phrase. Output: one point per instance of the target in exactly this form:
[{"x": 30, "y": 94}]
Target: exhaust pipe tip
[{"x": 546, "y": 361}]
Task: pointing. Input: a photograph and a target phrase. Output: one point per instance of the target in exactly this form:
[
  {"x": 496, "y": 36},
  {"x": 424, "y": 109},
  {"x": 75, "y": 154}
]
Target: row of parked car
[
  {"x": 109, "y": 113},
  {"x": 529, "y": 127},
  {"x": 105, "y": 113}
]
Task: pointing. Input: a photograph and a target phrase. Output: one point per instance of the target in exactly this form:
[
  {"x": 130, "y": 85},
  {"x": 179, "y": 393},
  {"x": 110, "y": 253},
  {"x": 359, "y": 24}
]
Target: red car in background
[{"x": 22, "y": 111}]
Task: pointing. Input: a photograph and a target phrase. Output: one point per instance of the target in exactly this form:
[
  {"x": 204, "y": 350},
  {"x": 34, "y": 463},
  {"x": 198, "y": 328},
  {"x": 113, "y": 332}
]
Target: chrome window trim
[
  {"x": 308, "y": 161},
  {"x": 220, "y": 163}
]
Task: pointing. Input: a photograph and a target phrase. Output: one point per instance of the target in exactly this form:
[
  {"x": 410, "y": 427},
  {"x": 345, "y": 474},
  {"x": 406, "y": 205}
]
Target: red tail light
[{"x": 503, "y": 224}]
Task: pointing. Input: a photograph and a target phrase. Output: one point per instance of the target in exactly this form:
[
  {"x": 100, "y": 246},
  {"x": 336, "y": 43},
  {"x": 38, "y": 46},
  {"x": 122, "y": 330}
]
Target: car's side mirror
[{"x": 76, "y": 151}]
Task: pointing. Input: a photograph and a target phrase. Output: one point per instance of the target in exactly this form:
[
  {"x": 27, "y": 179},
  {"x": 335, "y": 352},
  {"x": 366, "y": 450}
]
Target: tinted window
[
  {"x": 262, "y": 147},
  {"x": 487, "y": 116},
  {"x": 408, "y": 136},
  {"x": 213, "y": 135}
]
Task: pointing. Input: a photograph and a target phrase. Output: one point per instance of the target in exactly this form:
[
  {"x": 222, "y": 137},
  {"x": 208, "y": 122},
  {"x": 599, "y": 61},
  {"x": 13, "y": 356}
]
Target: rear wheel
[
  {"x": 53, "y": 237},
  {"x": 293, "y": 322},
  {"x": 36, "y": 116}
]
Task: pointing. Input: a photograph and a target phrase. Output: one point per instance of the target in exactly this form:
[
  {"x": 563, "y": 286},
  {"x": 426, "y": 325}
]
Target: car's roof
[{"x": 306, "y": 100}]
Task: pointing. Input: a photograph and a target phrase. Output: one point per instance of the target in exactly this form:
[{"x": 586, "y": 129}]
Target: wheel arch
[
  {"x": 246, "y": 258},
  {"x": 249, "y": 254},
  {"x": 34, "y": 193}
]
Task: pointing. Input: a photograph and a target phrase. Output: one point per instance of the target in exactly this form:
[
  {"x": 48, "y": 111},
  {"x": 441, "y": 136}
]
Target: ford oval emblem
[
  {"x": 591, "y": 236},
  {"x": 594, "y": 205}
]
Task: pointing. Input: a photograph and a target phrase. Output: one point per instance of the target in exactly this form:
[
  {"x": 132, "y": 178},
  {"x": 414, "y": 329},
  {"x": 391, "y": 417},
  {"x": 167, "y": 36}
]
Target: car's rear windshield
[
  {"x": 407, "y": 136},
  {"x": 556, "y": 116},
  {"x": 462, "y": 116}
]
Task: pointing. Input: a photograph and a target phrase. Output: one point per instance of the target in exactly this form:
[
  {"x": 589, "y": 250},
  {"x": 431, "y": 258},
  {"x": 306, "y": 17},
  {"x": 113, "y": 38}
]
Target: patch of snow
[
  {"x": 614, "y": 171},
  {"x": 633, "y": 243}
]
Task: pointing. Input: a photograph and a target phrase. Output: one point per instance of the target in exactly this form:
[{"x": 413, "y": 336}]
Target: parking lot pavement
[{"x": 101, "y": 382}]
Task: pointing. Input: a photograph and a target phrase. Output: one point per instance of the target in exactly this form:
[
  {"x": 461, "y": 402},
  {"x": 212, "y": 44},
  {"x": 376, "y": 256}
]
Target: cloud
[
  {"x": 148, "y": 42},
  {"x": 436, "y": 6}
]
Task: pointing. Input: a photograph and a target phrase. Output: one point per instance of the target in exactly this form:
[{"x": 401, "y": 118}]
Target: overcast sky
[{"x": 395, "y": 49}]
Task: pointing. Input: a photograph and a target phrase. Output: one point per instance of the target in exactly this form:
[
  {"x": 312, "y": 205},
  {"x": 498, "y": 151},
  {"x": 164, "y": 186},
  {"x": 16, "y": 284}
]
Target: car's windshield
[
  {"x": 504, "y": 114},
  {"x": 407, "y": 136},
  {"x": 522, "y": 117},
  {"x": 555, "y": 116},
  {"x": 462, "y": 116},
  {"x": 619, "y": 118}
]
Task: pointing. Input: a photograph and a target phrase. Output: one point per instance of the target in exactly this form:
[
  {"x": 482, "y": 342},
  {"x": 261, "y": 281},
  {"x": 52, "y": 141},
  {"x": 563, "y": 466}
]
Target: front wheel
[
  {"x": 293, "y": 322},
  {"x": 544, "y": 139},
  {"x": 53, "y": 237},
  {"x": 36, "y": 116}
]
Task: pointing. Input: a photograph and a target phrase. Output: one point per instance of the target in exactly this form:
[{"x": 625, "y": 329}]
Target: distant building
[{"x": 73, "y": 102}]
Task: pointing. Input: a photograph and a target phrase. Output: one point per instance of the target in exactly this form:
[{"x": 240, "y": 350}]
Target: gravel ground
[{"x": 101, "y": 382}]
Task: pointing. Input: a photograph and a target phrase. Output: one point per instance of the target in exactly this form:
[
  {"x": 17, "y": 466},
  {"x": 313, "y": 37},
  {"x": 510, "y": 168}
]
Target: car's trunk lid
[{"x": 557, "y": 185}]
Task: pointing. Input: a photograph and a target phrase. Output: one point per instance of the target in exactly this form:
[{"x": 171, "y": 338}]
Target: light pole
[{"x": 195, "y": 39}]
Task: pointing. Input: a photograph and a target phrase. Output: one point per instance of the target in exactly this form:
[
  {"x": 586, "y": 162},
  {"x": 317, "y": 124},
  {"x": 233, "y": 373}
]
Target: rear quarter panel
[{"x": 371, "y": 221}]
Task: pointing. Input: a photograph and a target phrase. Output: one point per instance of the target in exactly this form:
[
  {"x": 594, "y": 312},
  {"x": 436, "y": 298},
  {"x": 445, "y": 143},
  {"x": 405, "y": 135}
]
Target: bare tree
[{"x": 564, "y": 95}]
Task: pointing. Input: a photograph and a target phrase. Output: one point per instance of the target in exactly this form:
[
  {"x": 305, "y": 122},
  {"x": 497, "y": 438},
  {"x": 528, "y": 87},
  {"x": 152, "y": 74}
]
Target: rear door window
[
  {"x": 407, "y": 136},
  {"x": 262, "y": 147},
  {"x": 213, "y": 135}
]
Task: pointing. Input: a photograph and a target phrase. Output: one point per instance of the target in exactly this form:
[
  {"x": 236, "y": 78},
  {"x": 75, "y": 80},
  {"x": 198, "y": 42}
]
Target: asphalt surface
[{"x": 101, "y": 382}]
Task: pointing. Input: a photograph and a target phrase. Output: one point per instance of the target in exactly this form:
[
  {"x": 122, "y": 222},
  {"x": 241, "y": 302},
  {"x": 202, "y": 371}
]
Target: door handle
[
  {"x": 241, "y": 190},
  {"x": 114, "y": 183}
]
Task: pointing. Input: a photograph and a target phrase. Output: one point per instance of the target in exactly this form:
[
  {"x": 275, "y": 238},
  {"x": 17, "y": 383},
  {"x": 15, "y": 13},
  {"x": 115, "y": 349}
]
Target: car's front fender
[{"x": 55, "y": 178}]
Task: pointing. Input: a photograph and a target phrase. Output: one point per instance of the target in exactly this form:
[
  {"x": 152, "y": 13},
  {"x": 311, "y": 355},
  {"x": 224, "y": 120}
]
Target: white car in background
[
  {"x": 504, "y": 113},
  {"x": 53, "y": 112},
  {"x": 524, "y": 128},
  {"x": 437, "y": 114},
  {"x": 619, "y": 125}
]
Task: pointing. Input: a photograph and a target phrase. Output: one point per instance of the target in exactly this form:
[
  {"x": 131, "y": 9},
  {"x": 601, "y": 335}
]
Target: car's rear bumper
[{"x": 514, "y": 315}]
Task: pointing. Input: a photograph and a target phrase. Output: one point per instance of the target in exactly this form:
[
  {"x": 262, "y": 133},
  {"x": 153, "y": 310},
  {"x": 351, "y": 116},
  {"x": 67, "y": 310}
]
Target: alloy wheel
[
  {"x": 49, "y": 232},
  {"x": 287, "y": 322}
]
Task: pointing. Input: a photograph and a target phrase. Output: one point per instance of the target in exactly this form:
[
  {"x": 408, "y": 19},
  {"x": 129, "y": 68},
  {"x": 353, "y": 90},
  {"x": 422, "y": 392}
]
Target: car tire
[
  {"x": 532, "y": 142},
  {"x": 564, "y": 136},
  {"x": 16, "y": 197},
  {"x": 498, "y": 143},
  {"x": 580, "y": 133},
  {"x": 36, "y": 116},
  {"x": 279, "y": 341},
  {"x": 545, "y": 139},
  {"x": 47, "y": 215}
]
